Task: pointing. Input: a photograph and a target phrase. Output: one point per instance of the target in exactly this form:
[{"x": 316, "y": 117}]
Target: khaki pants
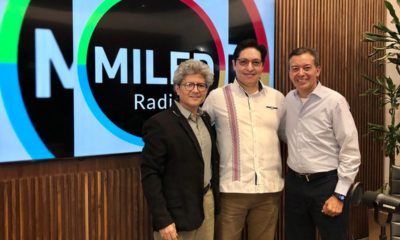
[
  {"x": 258, "y": 211},
  {"x": 206, "y": 230}
]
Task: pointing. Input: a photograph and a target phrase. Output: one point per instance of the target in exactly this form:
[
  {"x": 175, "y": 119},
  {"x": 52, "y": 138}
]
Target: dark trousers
[{"x": 303, "y": 205}]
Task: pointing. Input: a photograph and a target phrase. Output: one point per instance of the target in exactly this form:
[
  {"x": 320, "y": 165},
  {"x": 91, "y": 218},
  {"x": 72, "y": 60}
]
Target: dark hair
[
  {"x": 249, "y": 43},
  {"x": 302, "y": 50}
]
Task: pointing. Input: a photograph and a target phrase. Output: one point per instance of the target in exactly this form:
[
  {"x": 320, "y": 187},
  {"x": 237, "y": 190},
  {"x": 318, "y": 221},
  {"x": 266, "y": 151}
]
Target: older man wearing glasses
[
  {"x": 180, "y": 161},
  {"x": 247, "y": 115}
]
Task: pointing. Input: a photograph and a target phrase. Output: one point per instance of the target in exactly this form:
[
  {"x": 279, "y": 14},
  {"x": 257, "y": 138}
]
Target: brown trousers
[
  {"x": 206, "y": 230},
  {"x": 259, "y": 212}
]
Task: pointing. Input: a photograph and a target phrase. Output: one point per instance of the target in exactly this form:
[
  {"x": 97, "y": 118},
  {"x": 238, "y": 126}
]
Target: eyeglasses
[
  {"x": 190, "y": 86},
  {"x": 296, "y": 69},
  {"x": 245, "y": 62}
]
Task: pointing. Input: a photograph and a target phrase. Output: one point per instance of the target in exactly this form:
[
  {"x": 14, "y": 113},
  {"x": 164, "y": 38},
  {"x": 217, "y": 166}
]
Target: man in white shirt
[
  {"x": 323, "y": 149},
  {"x": 246, "y": 115}
]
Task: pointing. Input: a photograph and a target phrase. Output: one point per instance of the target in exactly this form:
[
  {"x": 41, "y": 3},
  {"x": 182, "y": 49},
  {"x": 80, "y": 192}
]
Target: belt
[
  {"x": 206, "y": 188},
  {"x": 308, "y": 177}
]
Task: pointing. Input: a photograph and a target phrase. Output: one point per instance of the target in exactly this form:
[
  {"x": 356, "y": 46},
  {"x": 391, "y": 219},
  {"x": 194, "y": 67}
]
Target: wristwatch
[{"x": 339, "y": 196}]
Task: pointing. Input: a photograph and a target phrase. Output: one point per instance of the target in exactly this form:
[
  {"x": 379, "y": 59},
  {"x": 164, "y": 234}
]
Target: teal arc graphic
[
  {"x": 83, "y": 76},
  {"x": 10, "y": 28}
]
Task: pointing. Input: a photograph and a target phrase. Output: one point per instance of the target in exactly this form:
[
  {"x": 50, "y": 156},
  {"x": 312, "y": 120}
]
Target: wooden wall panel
[
  {"x": 82, "y": 205},
  {"x": 334, "y": 28}
]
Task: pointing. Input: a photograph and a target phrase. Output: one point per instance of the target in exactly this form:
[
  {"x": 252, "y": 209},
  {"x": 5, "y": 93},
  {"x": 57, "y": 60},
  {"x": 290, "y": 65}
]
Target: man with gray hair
[{"x": 180, "y": 165}]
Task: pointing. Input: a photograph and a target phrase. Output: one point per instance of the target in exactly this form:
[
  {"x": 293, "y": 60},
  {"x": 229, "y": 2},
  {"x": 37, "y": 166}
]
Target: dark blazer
[{"x": 172, "y": 170}]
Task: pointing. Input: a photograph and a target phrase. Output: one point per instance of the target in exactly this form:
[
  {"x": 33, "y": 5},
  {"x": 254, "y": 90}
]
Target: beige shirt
[{"x": 203, "y": 137}]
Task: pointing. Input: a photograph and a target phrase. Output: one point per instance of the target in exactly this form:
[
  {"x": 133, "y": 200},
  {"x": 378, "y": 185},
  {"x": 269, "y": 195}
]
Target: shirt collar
[
  {"x": 318, "y": 91},
  {"x": 186, "y": 113},
  {"x": 261, "y": 88}
]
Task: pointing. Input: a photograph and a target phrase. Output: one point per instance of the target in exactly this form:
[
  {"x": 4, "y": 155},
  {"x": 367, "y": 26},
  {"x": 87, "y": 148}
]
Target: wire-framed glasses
[
  {"x": 245, "y": 62},
  {"x": 190, "y": 86}
]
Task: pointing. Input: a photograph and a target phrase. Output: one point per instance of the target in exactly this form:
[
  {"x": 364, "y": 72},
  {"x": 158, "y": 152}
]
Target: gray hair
[{"x": 190, "y": 67}]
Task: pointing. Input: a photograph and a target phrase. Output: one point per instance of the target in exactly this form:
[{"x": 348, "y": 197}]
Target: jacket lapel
[
  {"x": 207, "y": 122},
  {"x": 186, "y": 127}
]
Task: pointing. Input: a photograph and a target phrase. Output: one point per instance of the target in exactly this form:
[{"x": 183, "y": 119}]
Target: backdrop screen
[{"x": 79, "y": 77}]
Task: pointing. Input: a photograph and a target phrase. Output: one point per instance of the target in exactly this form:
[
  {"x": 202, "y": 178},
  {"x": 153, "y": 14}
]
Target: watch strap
[{"x": 339, "y": 196}]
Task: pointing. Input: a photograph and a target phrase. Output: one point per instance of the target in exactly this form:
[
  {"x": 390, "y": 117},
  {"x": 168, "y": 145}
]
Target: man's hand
[
  {"x": 332, "y": 206},
  {"x": 169, "y": 232}
]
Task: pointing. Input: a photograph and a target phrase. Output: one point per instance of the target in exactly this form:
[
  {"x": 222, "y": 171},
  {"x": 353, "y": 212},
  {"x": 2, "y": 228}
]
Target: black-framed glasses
[
  {"x": 190, "y": 86},
  {"x": 245, "y": 62}
]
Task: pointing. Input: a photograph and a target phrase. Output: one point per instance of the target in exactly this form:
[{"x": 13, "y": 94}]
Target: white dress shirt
[
  {"x": 257, "y": 168},
  {"x": 322, "y": 136}
]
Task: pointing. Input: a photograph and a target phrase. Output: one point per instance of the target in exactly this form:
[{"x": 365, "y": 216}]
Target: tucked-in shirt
[
  {"x": 203, "y": 137},
  {"x": 257, "y": 168},
  {"x": 322, "y": 136}
]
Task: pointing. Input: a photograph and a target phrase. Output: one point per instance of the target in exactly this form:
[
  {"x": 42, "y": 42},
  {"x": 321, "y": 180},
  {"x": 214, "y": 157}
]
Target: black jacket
[{"x": 172, "y": 170}]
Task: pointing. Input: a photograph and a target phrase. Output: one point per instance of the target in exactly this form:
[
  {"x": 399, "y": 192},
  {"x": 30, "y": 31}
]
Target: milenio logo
[
  {"x": 133, "y": 52},
  {"x": 115, "y": 62}
]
